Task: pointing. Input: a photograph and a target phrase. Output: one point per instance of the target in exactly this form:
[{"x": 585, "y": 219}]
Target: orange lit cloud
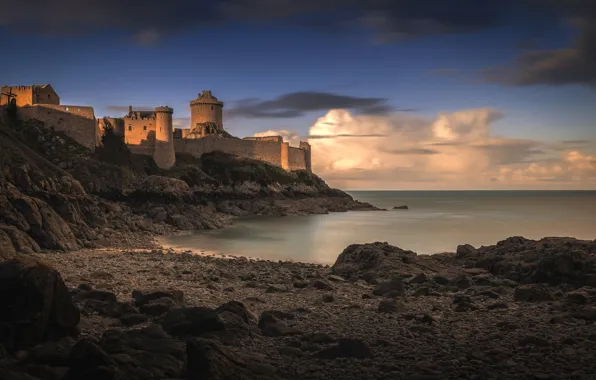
[{"x": 455, "y": 150}]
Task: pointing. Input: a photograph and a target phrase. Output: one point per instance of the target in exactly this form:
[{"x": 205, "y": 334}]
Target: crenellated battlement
[{"x": 164, "y": 109}]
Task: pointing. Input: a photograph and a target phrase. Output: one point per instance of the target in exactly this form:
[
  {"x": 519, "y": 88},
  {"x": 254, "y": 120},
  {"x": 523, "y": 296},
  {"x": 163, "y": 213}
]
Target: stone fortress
[{"x": 152, "y": 132}]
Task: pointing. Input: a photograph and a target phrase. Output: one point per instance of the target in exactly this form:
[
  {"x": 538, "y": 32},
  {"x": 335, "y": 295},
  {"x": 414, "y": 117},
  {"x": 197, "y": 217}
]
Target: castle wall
[
  {"x": 139, "y": 131},
  {"x": 259, "y": 150},
  {"x": 296, "y": 159},
  {"x": 24, "y": 95},
  {"x": 77, "y": 122},
  {"x": 45, "y": 95}
]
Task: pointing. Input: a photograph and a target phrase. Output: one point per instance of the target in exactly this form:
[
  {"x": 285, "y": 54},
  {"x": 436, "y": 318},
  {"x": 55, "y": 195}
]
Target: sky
[{"x": 391, "y": 94}]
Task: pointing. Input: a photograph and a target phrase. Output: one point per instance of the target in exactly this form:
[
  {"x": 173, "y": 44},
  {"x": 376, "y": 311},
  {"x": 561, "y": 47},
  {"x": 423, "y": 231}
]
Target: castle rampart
[{"x": 77, "y": 122}]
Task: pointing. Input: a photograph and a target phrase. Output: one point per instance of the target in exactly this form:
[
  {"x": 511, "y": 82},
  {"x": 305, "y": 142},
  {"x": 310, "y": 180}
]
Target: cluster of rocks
[{"x": 379, "y": 312}]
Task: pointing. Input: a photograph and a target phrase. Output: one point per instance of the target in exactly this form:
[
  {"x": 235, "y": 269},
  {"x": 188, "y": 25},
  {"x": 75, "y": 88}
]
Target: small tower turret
[
  {"x": 164, "y": 154},
  {"x": 206, "y": 108}
]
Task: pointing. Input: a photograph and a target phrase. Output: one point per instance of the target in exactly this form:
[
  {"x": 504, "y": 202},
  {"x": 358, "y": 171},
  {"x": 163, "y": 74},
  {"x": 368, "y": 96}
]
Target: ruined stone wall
[
  {"x": 296, "y": 159},
  {"x": 78, "y": 122},
  {"x": 139, "y": 131}
]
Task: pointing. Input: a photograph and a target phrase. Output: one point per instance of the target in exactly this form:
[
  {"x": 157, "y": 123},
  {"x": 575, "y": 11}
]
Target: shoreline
[{"x": 408, "y": 316}]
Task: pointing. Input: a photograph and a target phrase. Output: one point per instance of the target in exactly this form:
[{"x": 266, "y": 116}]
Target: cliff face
[{"x": 55, "y": 194}]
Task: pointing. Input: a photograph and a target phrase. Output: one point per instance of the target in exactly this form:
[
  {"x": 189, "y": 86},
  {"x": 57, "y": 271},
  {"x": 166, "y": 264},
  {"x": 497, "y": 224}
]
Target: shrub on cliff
[
  {"x": 113, "y": 149},
  {"x": 230, "y": 170}
]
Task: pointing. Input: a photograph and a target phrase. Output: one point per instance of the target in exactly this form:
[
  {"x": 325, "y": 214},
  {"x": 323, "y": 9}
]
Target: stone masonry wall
[
  {"x": 78, "y": 122},
  {"x": 296, "y": 159},
  {"x": 139, "y": 131},
  {"x": 268, "y": 151},
  {"x": 24, "y": 95}
]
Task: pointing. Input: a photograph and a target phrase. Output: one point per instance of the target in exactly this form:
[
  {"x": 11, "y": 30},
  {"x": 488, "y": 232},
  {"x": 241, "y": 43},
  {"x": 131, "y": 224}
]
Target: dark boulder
[
  {"x": 99, "y": 295},
  {"x": 532, "y": 293},
  {"x": 193, "y": 321},
  {"x": 271, "y": 326},
  {"x": 143, "y": 297},
  {"x": 373, "y": 259},
  {"x": 394, "y": 287},
  {"x": 36, "y": 304},
  {"x": 88, "y": 361},
  {"x": 346, "y": 348},
  {"x": 210, "y": 360},
  {"x": 144, "y": 352},
  {"x": 158, "y": 307},
  {"x": 228, "y": 320},
  {"x": 549, "y": 260},
  {"x": 465, "y": 250}
]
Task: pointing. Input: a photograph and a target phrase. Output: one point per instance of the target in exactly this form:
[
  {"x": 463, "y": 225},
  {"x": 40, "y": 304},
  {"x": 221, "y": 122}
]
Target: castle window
[
  {"x": 211, "y": 107},
  {"x": 67, "y": 108},
  {"x": 144, "y": 127},
  {"x": 49, "y": 96},
  {"x": 130, "y": 128}
]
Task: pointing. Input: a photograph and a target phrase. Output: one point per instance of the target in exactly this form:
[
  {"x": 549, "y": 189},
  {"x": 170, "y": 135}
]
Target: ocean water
[{"x": 436, "y": 221}]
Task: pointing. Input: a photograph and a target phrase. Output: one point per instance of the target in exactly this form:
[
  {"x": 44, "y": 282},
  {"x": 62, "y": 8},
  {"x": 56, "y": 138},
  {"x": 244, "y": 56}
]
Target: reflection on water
[{"x": 435, "y": 222}]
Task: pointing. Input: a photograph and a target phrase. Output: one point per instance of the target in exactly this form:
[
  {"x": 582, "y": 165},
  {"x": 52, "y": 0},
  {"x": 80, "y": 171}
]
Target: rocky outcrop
[
  {"x": 60, "y": 196},
  {"x": 162, "y": 188},
  {"x": 36, "y": 305},
  {"x": 378, "y": 260},
  {"x": 549, "y": 260}
]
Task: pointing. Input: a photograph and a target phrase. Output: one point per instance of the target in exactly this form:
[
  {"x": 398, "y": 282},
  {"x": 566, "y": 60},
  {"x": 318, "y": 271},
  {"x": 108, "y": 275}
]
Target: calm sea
[{"x": 436, "y": 221}]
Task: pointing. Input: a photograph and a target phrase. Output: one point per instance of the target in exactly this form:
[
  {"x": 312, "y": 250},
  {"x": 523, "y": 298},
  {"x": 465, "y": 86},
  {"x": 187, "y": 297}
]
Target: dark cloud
[
  {"x": 573, "y": 65},
  {"x": 573, "y": 142},
  {"x": 125, "y": 108},
  {"x": 296, "y": 104},
  {"x": 181, "y": 122},
  {"x": 511, "y": 151},
  {"x": 414, "y": 151},
  {"x": 148, "y": 20},
  {"x": 322, "y": 137}
]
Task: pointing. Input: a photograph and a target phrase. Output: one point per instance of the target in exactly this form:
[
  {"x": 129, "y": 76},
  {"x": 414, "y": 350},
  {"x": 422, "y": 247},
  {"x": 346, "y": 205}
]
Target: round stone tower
[
  {"x": 164, "y": 154},
  {"x": 206, "y": 109}
]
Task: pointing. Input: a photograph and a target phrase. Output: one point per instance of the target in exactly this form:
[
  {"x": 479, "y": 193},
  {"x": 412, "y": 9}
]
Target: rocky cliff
[{"x": 57, "y": 195}]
